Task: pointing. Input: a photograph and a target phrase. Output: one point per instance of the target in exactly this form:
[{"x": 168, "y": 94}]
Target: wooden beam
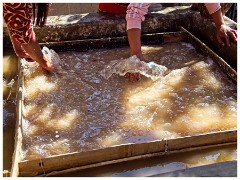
[
  {"x": 74, "y": 170},
  {"x": 71, "y": 160},
  {"x": 18, "y": 128}
]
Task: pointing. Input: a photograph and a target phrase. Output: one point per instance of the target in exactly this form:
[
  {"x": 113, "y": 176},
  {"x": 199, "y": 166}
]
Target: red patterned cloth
[
  {"x": 18, "y": 17},
  {"x": 113, "y": 8}
]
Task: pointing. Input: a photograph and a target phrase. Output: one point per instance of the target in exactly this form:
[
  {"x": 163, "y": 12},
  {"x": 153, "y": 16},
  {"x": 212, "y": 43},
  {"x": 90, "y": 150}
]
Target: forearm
[
  {"x": 218, "y": 18},
  {"x": 214, "y": 10},
  {"x": 223, "y": 33},
  {"x": 134, "y": 39},
  {"x": 135, "y": 15},
  {"x": 34, "y": 50}
]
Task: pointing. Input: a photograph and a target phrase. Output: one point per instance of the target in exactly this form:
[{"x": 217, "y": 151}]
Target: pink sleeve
[
  {"x": 135, "y": 14},
  {"x": 212, "y": 7}
]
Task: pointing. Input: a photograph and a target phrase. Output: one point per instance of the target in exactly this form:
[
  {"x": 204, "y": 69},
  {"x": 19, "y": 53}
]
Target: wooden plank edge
[
  {"x": 72, "y": 170},
  {"x": 202, "y": 140},
  {"x": 71, "y": 160},
  {"x": 18, "y": 128}
]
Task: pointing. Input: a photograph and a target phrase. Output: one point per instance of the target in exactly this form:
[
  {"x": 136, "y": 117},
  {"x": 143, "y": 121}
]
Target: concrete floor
[
  {"x": 81, "y": 8},
  {"x": 72, "y": 8}
]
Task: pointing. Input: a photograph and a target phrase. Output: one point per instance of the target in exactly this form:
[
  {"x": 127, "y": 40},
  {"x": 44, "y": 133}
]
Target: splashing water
[
  {"x": 52, "y": 56},
  {"x": 55, "y": 60},
  {"x": 134, "y": 65}
]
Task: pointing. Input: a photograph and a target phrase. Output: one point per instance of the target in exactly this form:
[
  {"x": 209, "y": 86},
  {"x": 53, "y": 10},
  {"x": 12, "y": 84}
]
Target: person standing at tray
[
  {"x": 19, "y": 20},
  {"x": 135, "y": 13}
]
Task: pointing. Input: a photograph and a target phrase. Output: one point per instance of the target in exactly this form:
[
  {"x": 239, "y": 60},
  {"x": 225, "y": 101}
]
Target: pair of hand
[{"x": 133, "y": 76}]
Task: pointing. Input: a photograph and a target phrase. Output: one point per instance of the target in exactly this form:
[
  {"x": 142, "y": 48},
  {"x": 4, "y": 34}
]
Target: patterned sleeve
[
  {"x": 212, "y": 7},
  {"x": 18, "y": 18},
  {"x": 135, "y": 14}
]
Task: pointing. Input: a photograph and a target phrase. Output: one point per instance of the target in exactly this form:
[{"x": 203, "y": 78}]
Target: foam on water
[
  {"x": 81, "y": 111},
  {"x": 134, "y": 65}
]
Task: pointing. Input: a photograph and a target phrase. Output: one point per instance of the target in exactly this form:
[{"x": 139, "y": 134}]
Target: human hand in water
[
  {"x": 45, "y": 64},
  {"x": 135, "y": 76},
  {"x": 224, "y": 33},
  {"x": 132, "y": 76}
]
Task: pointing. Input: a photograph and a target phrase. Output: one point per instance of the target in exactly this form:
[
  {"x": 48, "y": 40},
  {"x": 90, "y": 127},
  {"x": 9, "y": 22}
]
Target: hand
[
  {"x": 47, "y": 66},
  {"x": 45, "y": 63},
  {"x": 224, "y": 33},
  {"x": 137, "y": 76},
  {"x": 132, "y": 76}
]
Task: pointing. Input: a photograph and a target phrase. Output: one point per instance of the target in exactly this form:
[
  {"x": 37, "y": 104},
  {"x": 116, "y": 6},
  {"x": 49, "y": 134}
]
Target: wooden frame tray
[{"x": 123, "y": 152}]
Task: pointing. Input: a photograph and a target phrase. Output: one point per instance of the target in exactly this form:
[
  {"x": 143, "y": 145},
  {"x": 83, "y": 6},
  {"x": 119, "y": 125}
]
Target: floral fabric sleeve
[
  {"x": 135, "y": 14},
  {"x": 18, "y": 18}
]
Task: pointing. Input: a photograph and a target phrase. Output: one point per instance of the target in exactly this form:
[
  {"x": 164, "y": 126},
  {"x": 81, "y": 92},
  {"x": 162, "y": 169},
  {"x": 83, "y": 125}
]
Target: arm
[
  {"x": 134, "y": 39},
  {"x": 223, "y": 31},
  {"x": 135, "y": 15},
  {"x": 21, "y": 32},
  {"x": 34, "y": 51}
]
